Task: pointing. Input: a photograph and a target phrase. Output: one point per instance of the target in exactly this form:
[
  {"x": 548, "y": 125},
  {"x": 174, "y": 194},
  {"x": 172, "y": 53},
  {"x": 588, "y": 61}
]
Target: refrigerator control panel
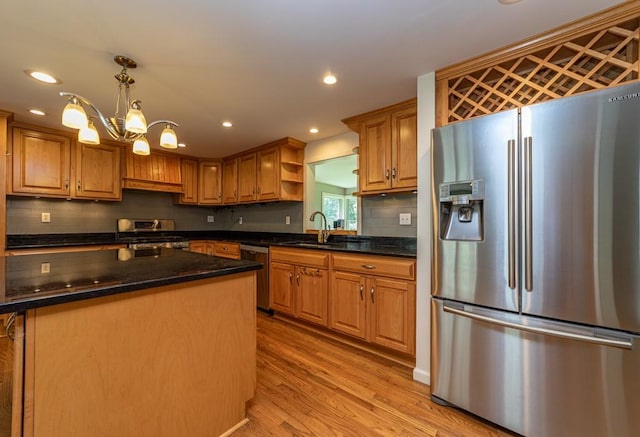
[{"x": 462, "y": 192}]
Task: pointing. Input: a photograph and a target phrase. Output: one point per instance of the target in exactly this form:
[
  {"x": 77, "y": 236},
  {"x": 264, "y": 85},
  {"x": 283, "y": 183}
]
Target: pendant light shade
[
  {"x": 168, "y": 139},
  {"x": 89, "y": 134},
  {"x": 73, "y": 115},
  {"x": 127, "y": 123},
  {"x": 141, "y": 146},
  {"x": 135, "y": 121}
]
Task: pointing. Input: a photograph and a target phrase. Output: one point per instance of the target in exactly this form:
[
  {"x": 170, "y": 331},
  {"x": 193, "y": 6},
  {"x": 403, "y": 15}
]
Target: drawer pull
[{"x": 368, "y": 266}]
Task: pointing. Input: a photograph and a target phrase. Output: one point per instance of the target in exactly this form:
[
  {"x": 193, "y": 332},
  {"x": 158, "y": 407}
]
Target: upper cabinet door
[
  {"x": 247, "y": 178},
  {"x": 97, "y": 172},
  {"x": 189, "y": 195},
  {"x": 230, "y": 181},
  {"x": 404, "y": 150},
  {"x": 268, "y": 174},
  {"x": 40, "y": 163},
  {"x": 210, "y": 187},
  {"x": 375, "y": 155}
]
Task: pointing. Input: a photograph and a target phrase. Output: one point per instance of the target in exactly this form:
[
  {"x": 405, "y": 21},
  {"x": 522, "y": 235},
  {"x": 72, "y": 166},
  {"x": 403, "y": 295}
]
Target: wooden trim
[
  {"x": 591, "y": 23},
  {"x": 353, "y": 122},
  {"x": 5, "y": 120},
  {"x": 282, "y": 142}
]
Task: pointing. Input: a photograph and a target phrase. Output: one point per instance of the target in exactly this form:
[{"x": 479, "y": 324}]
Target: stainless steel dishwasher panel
[{"x": 259, "y": 254}]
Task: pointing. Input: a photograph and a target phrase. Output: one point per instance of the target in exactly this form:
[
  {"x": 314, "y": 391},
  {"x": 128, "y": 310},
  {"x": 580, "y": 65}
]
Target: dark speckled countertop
[
  {"x": 389, "y": 246},
  {"x": 75, "y": 276}
]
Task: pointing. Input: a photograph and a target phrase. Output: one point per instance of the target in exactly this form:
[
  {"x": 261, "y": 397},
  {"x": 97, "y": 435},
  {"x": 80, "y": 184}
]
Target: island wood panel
[{"x": 176, "y": 360}]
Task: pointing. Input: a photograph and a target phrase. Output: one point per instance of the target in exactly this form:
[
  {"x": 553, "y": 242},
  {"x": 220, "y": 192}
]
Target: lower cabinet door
[
  {"x": 281, "y": 287},
  {"x": 393, "y": 318},
  {"x": 348, "y": 312},
  {"x": 312, "y": 293}
]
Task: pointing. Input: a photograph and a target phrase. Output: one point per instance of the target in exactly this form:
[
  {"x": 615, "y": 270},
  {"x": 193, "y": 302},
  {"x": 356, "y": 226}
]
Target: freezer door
[
  {"x": 482, "y": 268},
  {"x": 571, "y": 381},
  {"x": 580, "y": 208}
]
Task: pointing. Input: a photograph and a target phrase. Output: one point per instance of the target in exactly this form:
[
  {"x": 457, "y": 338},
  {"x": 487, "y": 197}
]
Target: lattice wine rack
[{"x": 587, "y": 61}]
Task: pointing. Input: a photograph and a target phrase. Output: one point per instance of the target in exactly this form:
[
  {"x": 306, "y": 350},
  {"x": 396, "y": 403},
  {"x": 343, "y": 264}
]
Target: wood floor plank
[{"x": 309, "y": 385}]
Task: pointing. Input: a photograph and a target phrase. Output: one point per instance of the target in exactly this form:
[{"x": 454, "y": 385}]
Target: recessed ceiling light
[
  {"x": 36, "y": 112},
  {"x": 313, "y": 130},
  {"x": 43, "y": 77},
  {"x": 227, "y": 124},
  {"x": 182, "y": 145},
  {"x": 330, "y": 79}
]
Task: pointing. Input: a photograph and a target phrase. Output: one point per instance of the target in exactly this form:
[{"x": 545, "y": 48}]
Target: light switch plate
[{"x": 405, "y": 219}]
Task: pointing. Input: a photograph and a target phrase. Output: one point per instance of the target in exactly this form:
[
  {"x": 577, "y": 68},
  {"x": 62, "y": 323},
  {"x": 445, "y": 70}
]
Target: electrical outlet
[
  {"x": 210, "y": 219},
  {"x": 239, "y": 220},
  {"x": 46, "y": 217},
  {"x": 45, "y": 268},
  {"x": 405, "y": 219},
  {"x": 287, "y": 220}
]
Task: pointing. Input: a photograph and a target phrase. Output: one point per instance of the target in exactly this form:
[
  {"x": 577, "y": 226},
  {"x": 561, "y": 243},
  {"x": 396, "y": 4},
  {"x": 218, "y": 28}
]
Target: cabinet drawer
[
  {"x": 313, "y": 258},
  {"x": 226, "y": 249},
  {"x": 400, "y": 268}
]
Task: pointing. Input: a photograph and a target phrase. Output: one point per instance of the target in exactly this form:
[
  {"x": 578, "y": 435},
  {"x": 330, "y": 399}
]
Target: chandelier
[{"x": 131, "y": 127}]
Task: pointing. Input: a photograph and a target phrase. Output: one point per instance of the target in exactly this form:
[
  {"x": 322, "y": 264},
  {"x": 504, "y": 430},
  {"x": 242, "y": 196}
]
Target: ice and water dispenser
[{"x": 461, "y": 205}]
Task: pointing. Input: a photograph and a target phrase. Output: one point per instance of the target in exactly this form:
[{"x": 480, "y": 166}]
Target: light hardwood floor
[{"x": 311, "y": 386}]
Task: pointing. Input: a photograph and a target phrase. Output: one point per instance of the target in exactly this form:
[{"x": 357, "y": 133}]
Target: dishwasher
[{"x": 259, "y": 254}]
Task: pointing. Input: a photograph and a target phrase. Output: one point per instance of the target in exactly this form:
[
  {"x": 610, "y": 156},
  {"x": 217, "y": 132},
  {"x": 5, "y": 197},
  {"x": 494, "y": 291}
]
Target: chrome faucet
[{"x": 323, "y": 232}]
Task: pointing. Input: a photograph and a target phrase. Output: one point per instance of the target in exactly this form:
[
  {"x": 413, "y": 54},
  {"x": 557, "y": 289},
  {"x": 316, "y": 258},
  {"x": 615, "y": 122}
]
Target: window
[{"x": 337, "y": 207}]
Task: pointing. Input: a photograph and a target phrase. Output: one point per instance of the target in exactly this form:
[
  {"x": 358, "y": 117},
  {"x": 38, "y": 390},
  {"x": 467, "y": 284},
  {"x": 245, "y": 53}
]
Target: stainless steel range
[{"x": 150, "y": 234}]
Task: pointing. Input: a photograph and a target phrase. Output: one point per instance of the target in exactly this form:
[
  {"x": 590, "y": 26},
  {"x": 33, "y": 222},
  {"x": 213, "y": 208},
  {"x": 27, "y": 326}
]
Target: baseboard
[{"x": 422, "y": 376}]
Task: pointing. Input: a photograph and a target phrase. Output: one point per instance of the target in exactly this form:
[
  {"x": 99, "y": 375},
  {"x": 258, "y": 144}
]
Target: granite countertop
[
  {"x": 76, "y": 276},
  {"x": 389, "y": 246}
]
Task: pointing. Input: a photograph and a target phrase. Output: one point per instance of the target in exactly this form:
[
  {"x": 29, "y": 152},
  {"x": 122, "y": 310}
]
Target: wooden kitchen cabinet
[
  {"x": 97, "y": 172},
  {"x": 47, "y": 163},
  {"x": 226, "y": 249},
  {"x": 387, "y": 159},
  {"x": 189, "y": 195},
  {"x": 210, "y": 183},
  {"x": 155, "y": 172},
  {"x": 247, "y": 178},
  {"x": 268, "y": 173},
  {"x": 201, "y": 246},
  {"x": 299, "y": 283},
  {"x": 373, "y": 298},
  {"x": 40, "y": 163},
  {"x": 230, "y": 181}
]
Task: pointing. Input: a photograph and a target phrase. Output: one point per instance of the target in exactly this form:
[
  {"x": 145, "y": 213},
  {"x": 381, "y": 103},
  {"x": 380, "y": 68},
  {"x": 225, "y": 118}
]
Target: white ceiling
[{"x": 258, "y": 63}]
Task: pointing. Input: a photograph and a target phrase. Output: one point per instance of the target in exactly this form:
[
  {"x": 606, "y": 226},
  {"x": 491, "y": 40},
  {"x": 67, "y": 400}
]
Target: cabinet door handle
[
  {"x": 79, "y": 186},
  {"x": 386, "y": 174},
  {"x": 393, "y": 172},
  {"x": 361, "y": 292},
  {"x": 298, "y": 278},
  {"x": 235, "y": 194},
  {"x": 66, "y": 184},
  {"x": 258, "y": 190},
  {"x": 290, "y": 277},
  {"x": 368, "y": 266},
  {"x": 372, "y": 292}
]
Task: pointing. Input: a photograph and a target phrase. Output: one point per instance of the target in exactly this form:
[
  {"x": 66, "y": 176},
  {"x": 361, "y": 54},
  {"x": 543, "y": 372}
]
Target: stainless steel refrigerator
[{"x": 536, "y": 289}]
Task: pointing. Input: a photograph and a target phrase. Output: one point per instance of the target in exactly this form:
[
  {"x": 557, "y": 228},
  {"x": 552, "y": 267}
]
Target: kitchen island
[{"x": 123, "y": 342}]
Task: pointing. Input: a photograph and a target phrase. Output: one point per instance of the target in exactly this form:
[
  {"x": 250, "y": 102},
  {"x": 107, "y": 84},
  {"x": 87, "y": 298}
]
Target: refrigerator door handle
[
  {"x": 511, "y": 207},
  {"x": 623, "y": 344},
  {"x": 528, "y": 215}
]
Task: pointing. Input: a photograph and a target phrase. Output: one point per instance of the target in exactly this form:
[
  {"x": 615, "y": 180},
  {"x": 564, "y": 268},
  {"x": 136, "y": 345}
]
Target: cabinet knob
[
  {"x": 361, "y": 292},
  {"x": 298, "y": 278},
  {"x": 290, "y": 277},
  {"x": 79, "y": 186},
  {"x": 372, "y": 292}
]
